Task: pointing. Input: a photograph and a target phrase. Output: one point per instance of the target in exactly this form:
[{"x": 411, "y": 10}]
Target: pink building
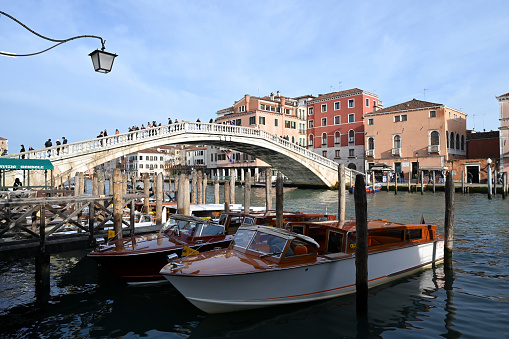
[
  {"x": 336, "y": 125},
  {"x": 415, "y": 135}
]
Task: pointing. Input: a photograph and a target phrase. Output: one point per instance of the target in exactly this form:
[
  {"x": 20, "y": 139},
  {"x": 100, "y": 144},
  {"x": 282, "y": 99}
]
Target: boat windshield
[
  {"x": 243, "y": 238},
  {"x": 268, "y": 244},
  {"x": 192, "y": 228}
]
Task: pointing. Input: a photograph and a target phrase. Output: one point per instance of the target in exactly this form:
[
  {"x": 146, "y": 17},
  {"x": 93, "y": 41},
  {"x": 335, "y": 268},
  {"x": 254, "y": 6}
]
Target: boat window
[
  {"x": 203, "y": 230},
  {"x": 222, "y": 219},
  {"x": 414, "y": 234},
  {"x": 243, "y": 237},
  {"x": 385, "y": 237},
  {"x": 268, "y": 244},
  {"x": 298, "y": 247},
  {"x": 315, "y": 218},
  {"x": 248, "y": 221},
  {"x": 335, "y": 242},
  {"x": 298, "y": 229}
]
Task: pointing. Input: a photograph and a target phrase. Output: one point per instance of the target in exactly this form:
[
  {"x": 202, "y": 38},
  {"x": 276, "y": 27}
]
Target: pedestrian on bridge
[
  {"x": 58, "y": 144},
  {"x": 21, "y": 151},
  {"x": 48, "y": 144}
]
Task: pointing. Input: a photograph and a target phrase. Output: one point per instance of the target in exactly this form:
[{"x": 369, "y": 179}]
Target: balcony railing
[
  {"x": 370, "y": 152},
  {"x": 396, "y": 151},
  {"x": 434, "y": 149}
]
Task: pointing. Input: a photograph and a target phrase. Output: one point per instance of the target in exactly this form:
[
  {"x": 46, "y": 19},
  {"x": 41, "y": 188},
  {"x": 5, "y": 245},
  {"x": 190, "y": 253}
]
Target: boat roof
[
  {"x": 280, "y": 232},
  {"x": 349, "y": 225},
  {"x": 191, "y": 218}
]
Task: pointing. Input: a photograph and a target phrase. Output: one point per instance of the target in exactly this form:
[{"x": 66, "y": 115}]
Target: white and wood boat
[{"x": 308, "y": 261}]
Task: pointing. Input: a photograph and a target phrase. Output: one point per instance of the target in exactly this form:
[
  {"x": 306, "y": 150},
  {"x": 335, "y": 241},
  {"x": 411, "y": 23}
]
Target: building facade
[
  {"x": 504, "y": 132},
  {"x": 336, "y": 127},
  {"x": 4, "y": 148},
  {"x": 415, "y": 135}
]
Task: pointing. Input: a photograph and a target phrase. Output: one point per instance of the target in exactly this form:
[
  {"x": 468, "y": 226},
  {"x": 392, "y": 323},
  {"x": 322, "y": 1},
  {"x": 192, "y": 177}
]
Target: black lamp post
[{"x": 102, "y": 60}]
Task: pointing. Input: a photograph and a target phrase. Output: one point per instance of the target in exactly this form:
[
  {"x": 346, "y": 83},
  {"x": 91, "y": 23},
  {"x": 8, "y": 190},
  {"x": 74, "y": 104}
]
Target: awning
[{"x": 25, "y": 164}]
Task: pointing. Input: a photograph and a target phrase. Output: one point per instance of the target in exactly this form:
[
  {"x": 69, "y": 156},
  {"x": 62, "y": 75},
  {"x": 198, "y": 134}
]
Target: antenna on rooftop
[
  {"x": 339, "y": 85},
  {"x": 473, "y": 119},
  {"x": 425, "y": 93}
]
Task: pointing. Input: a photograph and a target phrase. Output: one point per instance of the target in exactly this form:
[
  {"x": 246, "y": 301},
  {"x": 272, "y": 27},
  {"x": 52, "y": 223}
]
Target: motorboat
[
  {"x": 369, "y": 188},
  {"x": 303, "y": 262},
  {"x": 140, "y": 258}
]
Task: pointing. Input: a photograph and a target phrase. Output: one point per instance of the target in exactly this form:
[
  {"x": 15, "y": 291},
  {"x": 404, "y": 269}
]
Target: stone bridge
[{"x": 301, "y": 166}]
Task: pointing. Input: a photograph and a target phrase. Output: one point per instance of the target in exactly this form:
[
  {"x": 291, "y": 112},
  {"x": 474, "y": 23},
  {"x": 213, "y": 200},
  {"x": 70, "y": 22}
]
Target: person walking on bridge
[
  {"x": 21, "y": 151},
  {"x": 48, "y": 144},
  {"x": 64, "y": 142},
  {"x": 58, "y": 144}
]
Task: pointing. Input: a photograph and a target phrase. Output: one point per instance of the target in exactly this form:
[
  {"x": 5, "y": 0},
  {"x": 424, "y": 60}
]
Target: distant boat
[
  {"x": 306, "y": 261},
  {"x": 369, "y": 188}
]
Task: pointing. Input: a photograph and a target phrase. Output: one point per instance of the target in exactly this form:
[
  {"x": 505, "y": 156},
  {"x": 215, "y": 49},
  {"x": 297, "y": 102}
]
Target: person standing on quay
[{"x": 21, "y": 151}]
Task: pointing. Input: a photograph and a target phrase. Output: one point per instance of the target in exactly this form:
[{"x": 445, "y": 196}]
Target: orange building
[
  {"x": 415, "y": 135},
  {"x": 336, "y": 126}
]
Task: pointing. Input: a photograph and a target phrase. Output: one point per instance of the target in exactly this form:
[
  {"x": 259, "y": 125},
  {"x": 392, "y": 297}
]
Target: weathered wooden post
[
  {"x": 193, "y": 186},
  {"x": 42, "y": 230},
  {"x": 227, "y": 196},
  {"x": 232, "y": 186},
  {"x": 361, "y": 246},
  {"x": 159, "y": 198},
  {"x": 268, "y": 189},
  {"x": 342, "y": 195},
  {"x": 279, "y": 200},
  {"x": 216, "y": 190},
  {"x": 434, "y": 181},
  {"x": 91, "y": 223},
  {"x": 387, "y": 178},
  {"x": 95, "y": 184},
  {"x": 76, "y": 184},
  {"x": 110, "y": 184},
  {"x": 180, "y": 194},
  {"x": 132, "y": 218},
  {"x": 494, "y": 182},
  {"x": 176, "y": 186},
  {"x": 409, "y": 181},
  {"x": 124, "y": 183},
  {"x": 42, "y": 278},
  {"x": 449, "y": 221},
  {"x": 187, "y": 200},
  {"x": 422, "y": 182},
  {"x": 117, "y": 203},
  {"x": 396, "y": 178},
  {"x": 100, "y": 183},
  {"x": 146, "y": 193},
  {"x": 204, "y": 191},
  {"x": 247, "y": 192},
  {"x": 462, "y": 182},
  {"x": 83, "y": 186},
  {"x": 504, "y": 185},
  {"x": 490, "y": 190},
  {"x": 69, "y": 181},
  {"x": 199, "y": 190}
]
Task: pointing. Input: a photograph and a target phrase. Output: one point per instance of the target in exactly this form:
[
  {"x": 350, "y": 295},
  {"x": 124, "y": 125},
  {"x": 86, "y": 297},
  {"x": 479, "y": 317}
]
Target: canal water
[{"x": 470, "y": 302}]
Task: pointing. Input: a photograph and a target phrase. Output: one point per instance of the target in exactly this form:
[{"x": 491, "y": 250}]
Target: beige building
[
  {"x": 415, "y": 135},
  {"x": 504, "y": 132}
]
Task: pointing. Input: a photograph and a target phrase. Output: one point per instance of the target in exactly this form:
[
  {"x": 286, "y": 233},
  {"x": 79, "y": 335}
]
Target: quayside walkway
[{"x": 301, "y": 166}]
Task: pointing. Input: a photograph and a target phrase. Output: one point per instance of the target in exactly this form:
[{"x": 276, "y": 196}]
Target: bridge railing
[{"x": 58, "y": 152}]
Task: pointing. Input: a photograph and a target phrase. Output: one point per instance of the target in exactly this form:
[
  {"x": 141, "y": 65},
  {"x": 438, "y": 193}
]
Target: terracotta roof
[
  {"x": 2, "y": 138},
  {"x": 503, "y": 95},
  {"x": 334, "y": 94},
  {"x": 413, "y": 104}
]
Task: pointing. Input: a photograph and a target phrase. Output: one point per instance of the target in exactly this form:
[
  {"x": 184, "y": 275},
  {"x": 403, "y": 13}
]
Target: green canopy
[{"x": 25, "y": 164}]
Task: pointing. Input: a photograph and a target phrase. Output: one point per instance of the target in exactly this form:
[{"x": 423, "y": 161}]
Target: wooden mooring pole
[
  {"x": 117, "y": 203},
  {"x": 342, "y": 195},
  {"x": 159, "y": 198},
  {"x": 279, "y": 200},
  {"x": 247, "y": 192},
  {"x": 204, "y": 190},
  {"x": 227, "y": 196},
  {"x": 187, "y": 195},
  {"x": 199, "y": 189},
  {"x": 232, "y": 186},
  {"x": 268, "y": 189},
  {"x": 361, "y": 246},
  {"x": 504, "y": 185},
  {"x": 449, "y": 221},
  {"x": 396, "y": 178},
  {"x": 216, "y": 190},
  {"x": 146, "y": 193}
]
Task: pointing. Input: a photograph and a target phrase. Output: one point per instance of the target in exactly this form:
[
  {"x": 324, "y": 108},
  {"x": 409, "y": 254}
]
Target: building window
[
  {"x": 371, "y": 121},
  {"x": 311, "y": 137},
  {"x": 337, "y": 154},
  {"x": 324, "y": 154},
  {"x": 337, "y": 105},
  {"x": 337, "y": 120},
  {"x": 337, "y": 138},
  {"x": 311, "y": 111},
  {"x": 141, "y": 157},
  {"x": 351, "y": 153},
  {"x": 141, "y": 165},
  {"x": 262, "y": 107},
  {"x": 351, "y": 136},
  {"x": 261, "y": 120},
  {"x": 351, "y": 103},
  {"x": 374, "y": 103},
  {"x": 397, "y": 118},
  {"x": 311, "y": 124},
  {"x": 432, "y": 114},
  {"x": 324, "y": 138},
  {"x": 324, "y": 107},
  {"x": 371, "y": 143},
  {"x": 287, "y": 124},
  {"x": 252, "y": 120},
  {"x": 455, "y": 117},
  {"x": 462, "y": 142},
  {"x": 324, "y": 121},
  {"x": 351, "y": 117},
  {"x": 452, "y": 140},
  {"x": 293, "y": 125},
  {"x": 272, "y": 108},
  {"x": 276, "y": 122},
  {"x": 435, "y": 138},
  {"x": 367, "y": 102},
  {"x": 238, "y": 122},
  {"x": 457, "y": 141},
  {"x": 404, "y": 117},
  {"x": 397, "y": 141}
]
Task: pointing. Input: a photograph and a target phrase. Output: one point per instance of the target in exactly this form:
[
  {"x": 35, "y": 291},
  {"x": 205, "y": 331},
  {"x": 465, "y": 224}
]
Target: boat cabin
[{"x": 191, "y": 227}]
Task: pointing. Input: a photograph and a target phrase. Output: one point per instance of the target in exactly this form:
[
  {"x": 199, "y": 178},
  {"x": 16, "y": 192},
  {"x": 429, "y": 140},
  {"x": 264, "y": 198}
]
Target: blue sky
[{"x": 188, "y": 59}]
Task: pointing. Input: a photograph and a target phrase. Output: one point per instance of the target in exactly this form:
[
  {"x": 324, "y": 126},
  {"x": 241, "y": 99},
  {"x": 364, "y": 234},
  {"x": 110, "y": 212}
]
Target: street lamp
[{"x": 101, "y": 60}]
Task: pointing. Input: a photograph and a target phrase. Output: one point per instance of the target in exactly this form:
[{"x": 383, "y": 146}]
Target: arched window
[
  {"x": 457, "y": 141},
  {"x": 311, "y": 137},
  {"x": 371, "y": 143},
  {"x": 452, "y": 140},
  {"x": 435, "y": 138},
  {"x": 351, "y": 136},
  {"x": 324, "y": 138},
  {"x": 447, "y": 136},
  {"x": 397, "y": 141},
  {"x": 337, "y": 138},
  {"x": 462, "y": 142},
  {"x": 352, "y": 166}
]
